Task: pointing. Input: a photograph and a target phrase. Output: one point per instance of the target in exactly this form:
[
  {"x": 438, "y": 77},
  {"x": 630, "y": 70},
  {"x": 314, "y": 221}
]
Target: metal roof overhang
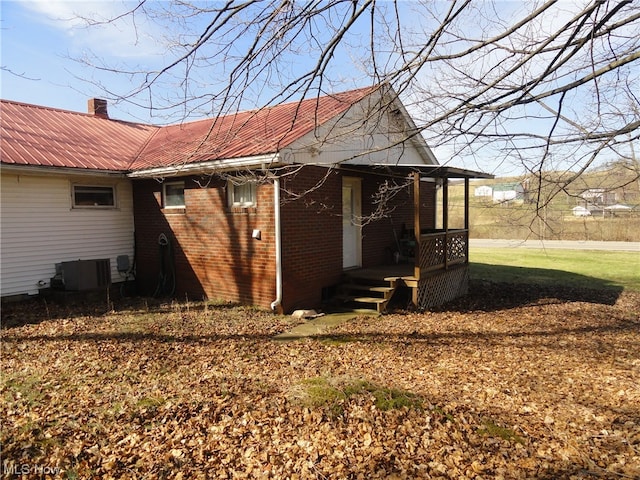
[
  {"x": 259, "y": 161},
  {"x": 207, "y": 167},
  {"x": 427, "y": 171},
  {"x": 51, "y": 170}
]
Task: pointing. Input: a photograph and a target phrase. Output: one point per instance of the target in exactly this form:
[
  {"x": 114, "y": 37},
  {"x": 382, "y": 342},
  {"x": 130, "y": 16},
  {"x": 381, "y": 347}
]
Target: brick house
[{"x": 274, "y": 207}]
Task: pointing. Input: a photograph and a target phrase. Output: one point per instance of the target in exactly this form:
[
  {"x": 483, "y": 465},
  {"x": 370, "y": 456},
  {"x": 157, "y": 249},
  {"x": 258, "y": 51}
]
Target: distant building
[
  {"x": 483, "y": 191},
  {"x": 507, "y": 192},
  {"x": 617, "y": 209},
  {"x": 580, "y": 211},
  {"x": 599, "y": 196}
]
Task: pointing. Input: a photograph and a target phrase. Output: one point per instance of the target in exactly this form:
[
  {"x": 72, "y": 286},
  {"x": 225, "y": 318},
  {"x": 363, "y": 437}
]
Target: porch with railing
[
  {"x": 442, "y": 255},
  {"x": 438, "y": 269},
  {"x": 436, "y": 274}
]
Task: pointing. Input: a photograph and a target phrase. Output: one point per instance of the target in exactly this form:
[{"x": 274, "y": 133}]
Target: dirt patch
[{"x": 485, "y": 388}]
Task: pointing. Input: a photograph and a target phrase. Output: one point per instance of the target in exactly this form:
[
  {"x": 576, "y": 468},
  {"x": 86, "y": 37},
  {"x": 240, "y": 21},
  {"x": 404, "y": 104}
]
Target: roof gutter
[
  {"x": 427, "y": 171},
  {"x": 227, "y": 164},
  {"x": 37, "y": 169}
]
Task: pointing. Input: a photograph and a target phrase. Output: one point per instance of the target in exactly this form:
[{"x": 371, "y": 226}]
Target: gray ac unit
[{"x": 85, "y": 274}]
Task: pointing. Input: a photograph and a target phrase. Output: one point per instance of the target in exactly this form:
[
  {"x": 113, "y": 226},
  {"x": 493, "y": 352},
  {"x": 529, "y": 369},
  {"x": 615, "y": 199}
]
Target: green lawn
[{"x": 580, "y": 268}]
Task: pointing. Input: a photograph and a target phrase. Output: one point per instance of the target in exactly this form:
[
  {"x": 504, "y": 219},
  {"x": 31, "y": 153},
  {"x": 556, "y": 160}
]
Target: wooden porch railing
[
  {"x": 436, "y": 279},
  {"x": 440, "y": 250}
]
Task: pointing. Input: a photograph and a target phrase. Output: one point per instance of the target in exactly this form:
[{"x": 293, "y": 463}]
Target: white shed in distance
[{"x": 483, "y": 191}]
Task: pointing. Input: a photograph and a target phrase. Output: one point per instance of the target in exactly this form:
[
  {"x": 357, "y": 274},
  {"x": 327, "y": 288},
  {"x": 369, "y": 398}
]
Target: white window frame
[
  {"x": 75, "y": 187},
  {"x": 235, "y": 195},
  {"x": 165, "y": 196}
]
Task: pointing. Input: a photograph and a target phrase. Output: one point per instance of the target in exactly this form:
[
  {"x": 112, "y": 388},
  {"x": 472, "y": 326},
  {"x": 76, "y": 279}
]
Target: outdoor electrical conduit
[{"x": 278, "y": 232}]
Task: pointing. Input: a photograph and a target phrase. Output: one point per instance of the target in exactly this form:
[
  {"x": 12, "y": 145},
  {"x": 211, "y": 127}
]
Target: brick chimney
[{"x": 98, "y": 107}]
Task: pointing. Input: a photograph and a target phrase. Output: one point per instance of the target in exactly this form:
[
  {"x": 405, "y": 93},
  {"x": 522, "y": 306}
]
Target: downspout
[{"x": 276, "y": 304}]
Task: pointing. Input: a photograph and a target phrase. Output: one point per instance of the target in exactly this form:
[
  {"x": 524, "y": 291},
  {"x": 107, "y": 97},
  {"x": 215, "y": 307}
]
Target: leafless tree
[{"x": 538, "y": 86}]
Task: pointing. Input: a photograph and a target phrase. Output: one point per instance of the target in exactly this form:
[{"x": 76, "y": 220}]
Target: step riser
[{"x": 377, "y": 293}]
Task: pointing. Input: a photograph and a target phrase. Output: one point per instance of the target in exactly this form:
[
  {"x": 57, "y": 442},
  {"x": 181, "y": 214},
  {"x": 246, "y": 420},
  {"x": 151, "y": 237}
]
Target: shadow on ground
[
  {"x": 65, "y": 305},
  {"x": 523, "y": 286},
  {"x": 496, "y": 287}
]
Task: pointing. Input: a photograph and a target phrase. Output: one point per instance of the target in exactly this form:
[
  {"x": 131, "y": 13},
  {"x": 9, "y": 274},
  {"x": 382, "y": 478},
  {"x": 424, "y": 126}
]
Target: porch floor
[{"x": 384, "y": 273}]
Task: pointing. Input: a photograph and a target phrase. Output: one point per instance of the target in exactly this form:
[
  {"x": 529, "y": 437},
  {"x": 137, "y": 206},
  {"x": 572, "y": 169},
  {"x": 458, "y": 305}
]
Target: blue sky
[{"x": 43, "y": 43}]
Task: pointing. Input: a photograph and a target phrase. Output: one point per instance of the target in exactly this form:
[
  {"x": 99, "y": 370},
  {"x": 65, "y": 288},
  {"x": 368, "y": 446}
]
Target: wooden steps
[
  {"x": 369, "y": 288},
  {"x": 367, "y": 291}
]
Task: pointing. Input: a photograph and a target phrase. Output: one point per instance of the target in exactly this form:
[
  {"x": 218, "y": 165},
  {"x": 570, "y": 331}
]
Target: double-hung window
[
  {"x": 242, "y": 194},
  {"x": 173, "y": 195}
]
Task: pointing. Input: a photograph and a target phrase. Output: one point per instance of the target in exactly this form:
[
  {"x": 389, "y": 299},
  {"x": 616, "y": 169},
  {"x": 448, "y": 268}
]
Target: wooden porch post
[
  {"x": 466, "y": 218},
  {"x": 445, "y": 219},
  {"x": 416, "y": 234}
]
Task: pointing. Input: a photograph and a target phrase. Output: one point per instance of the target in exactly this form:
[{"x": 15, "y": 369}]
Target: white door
[{"x": 351, "y": 229}]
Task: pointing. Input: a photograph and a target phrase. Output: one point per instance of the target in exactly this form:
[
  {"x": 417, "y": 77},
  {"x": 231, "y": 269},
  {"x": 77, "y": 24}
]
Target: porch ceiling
[{"x": 429, "y": 171}]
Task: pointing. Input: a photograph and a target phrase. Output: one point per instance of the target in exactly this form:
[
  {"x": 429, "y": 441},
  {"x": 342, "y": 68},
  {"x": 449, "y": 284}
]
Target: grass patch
[
  {"x": 392, "y": 399},
  {"x": 319, "y": 392},
  {"x": 138, "y": 324},
  {"x": 339, "y": 340},
  {"x": 332, "y": 393},
  {"x": 577, "y": 268},
  {"x": 446, "y": 415},
  {"x": 23, "y": 388},
  {"x": 491, "y": 429},
  {"x": 115, "y": 409},
  {"x": 149, "y": 403}
]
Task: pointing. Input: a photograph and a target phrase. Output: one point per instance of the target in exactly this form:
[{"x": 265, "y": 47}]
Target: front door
[{"x": 351, "y": 217}]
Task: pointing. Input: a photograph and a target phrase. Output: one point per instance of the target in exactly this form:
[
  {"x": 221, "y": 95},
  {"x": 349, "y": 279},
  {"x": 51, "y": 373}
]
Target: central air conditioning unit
[{"x": 83, "y": 274}]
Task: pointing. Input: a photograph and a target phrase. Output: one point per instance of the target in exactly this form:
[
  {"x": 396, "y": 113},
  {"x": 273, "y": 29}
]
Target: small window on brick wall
[
  {"x": 242, "y": 194},
  {"x": 94, "y": 196},
  {"x": 173, "y": 195}
]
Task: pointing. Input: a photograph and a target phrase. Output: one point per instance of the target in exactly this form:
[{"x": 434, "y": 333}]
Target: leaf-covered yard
[{"x": 500, "y": 384}]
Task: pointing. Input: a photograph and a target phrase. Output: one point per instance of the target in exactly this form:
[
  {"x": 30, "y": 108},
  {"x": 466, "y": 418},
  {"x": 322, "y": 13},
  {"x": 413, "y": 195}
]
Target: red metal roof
[
  {"x": 41, "y": 136},
  {"x": 243, "y": 134}
]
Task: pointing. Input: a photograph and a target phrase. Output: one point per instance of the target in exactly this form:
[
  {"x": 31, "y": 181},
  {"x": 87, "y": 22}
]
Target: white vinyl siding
[
  {"x": 40, "y": 228},
  {"x": 346, "y": 139}
]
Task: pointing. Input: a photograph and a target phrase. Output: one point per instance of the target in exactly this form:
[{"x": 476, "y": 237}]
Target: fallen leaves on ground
[{"x": 548, "y": 388}]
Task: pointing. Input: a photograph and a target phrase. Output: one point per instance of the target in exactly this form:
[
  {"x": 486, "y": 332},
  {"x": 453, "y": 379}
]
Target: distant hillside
[{"x": 560, "y": 205}]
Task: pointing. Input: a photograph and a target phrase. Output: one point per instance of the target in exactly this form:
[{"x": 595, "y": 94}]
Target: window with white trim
[
  {"x": 173, "y": 195},
  {"x": 94, "y": 196},
  {"x": 242, "y": 194}
]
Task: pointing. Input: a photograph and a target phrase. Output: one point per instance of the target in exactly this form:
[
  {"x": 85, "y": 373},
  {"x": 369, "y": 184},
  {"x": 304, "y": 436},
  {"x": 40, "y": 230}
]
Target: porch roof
[{"x": 428, "y": 171}]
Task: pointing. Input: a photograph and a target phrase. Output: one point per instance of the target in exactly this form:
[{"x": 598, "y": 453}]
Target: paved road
[{"x": 564, "y": 244}]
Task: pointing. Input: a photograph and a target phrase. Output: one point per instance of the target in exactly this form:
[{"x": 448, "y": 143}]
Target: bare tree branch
[{"x": 541, "y": 85}]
